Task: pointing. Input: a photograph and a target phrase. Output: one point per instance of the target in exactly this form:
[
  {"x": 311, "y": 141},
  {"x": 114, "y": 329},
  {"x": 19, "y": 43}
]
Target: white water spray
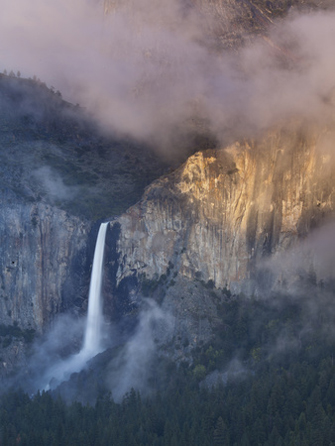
[
  {"x": 94, "y": 315},
  {"x": 92, "y": 340}
]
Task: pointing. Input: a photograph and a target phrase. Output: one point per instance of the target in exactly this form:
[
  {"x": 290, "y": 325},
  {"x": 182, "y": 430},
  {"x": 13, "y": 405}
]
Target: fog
[
  {"x": 147, "y": 69},
  {"x": 54, "y": 356},
  {"x": 128, "y": 362},
  {"x": 132, "y": 366},
  {"x": 307, "y": 264},
  {"x": 53, "y": 185}
]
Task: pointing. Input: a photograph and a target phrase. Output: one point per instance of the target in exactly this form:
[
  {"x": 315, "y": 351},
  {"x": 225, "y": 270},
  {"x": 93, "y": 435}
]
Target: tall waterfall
[
  {"x": 94, "y": 315},
  {"x": 62, "y": 370}
]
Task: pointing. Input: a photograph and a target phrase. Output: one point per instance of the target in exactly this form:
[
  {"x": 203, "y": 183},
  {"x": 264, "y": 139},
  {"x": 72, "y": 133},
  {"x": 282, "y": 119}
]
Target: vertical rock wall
[
  {"x": 224, "y": 211},
  {"x": 42, "y": 263}
]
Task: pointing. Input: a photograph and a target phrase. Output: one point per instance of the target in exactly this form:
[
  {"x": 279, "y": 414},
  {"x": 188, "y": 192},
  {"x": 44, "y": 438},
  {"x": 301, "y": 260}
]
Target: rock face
[
  {"x": 58, "y": 174},
  {"x": 226, "y": 211},
  {"x": 43, "y": 256},
  {"x": 228, "y": 23}
]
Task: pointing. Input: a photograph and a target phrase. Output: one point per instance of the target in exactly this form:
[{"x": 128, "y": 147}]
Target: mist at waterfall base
[
  {"x": 125, "y": 364},
  {"x": 67, "y": 329},
  {"x": 129, "y": 366}
]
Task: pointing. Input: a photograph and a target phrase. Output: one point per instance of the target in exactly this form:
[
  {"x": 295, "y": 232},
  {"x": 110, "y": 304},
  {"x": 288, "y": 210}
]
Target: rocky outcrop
[
  {"x": 226, "y": 211},
  {"x": 42, "y": 263}
]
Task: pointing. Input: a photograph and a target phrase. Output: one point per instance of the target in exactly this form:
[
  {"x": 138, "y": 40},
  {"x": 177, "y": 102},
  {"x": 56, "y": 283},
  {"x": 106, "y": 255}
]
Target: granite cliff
[
  {"x": 220, "y": 225},
  {"x": 43, "y": 261},
  {"x": 219, "y": 220},
  {"x": 59, "y": 174},
  {"x": 43, "y": 272}
]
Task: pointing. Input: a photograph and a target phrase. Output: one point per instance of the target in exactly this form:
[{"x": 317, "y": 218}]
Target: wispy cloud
[{"x": 145, "y": 71}]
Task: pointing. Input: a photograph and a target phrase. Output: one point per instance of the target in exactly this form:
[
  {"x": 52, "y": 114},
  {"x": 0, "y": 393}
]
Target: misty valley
[{"x": 167, "y": 223}]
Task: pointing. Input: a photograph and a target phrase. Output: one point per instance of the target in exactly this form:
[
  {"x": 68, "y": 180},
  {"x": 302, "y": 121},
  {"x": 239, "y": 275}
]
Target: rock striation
[
  {"x": 226, "y": 211},
  {"x": 43, "y": 253}
]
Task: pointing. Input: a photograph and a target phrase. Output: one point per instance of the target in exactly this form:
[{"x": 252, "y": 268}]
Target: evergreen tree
[{"x": 220, "y": 435}]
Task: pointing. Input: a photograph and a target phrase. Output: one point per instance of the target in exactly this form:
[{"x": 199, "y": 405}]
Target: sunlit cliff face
[{"x": 225, "y": 213}]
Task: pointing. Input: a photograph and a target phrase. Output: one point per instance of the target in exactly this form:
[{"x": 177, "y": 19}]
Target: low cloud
[
  {"x": 50, "y": 356},
  {"x": 146, "y": 68},
  {"x": 307, "y": 264},
  {"x": 132, "y": 367},
  {"x": 53, "y": 186}
]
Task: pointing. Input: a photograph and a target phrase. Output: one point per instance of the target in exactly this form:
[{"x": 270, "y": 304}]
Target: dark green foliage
[
  {"x": 54, "y": 152},
  {"x": 8, "y": 332},
  {"x": 283, "y": 398},
  {"x": 149, "y": 286},
  {"x": 256, "y": 411}
]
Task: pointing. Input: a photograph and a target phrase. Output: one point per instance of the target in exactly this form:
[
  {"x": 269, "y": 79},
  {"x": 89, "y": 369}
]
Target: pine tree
[{"x": 220, "y": 434}]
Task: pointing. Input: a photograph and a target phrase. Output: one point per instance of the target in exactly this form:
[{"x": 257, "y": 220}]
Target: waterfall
[
  {"x": 61, "y": 370},
  {"x": 94, "y": 314}
]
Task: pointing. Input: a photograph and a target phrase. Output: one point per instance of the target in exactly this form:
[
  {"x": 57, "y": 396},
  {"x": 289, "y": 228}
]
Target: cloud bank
[{"x": 146, "y": 70}]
